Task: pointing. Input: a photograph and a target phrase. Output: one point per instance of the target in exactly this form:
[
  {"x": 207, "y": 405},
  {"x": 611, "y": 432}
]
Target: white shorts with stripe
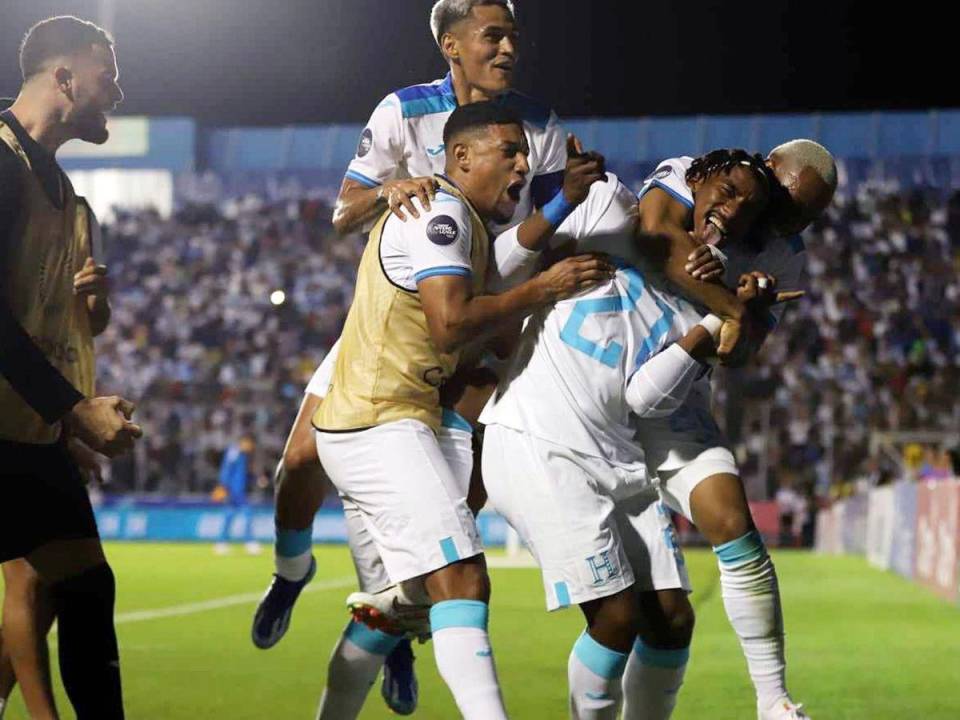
[
  {"x": 404, "y": 491},
  {"x": 684, "y": 449},
  {"x": 594, "y": 528}
]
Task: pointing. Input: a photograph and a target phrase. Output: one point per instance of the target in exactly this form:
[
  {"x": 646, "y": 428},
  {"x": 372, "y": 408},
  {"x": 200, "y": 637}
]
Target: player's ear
[
  {"x": 449, "y": 47},
  {"x": 461, "y": 151},
  {"x": 64, "y": 80}
]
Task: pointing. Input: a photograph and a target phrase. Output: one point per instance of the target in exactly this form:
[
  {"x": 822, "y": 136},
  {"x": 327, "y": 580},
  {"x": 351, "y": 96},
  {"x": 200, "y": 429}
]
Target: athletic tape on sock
[
  {"x": 599, "y": 659},
  {"x": 744, "y": 549},
  {"x": 291, "y": 543},
  {"x": 657, "y": 657},
  {"x": 459, "y": 613},
  {"x": 373, "y": 641}
]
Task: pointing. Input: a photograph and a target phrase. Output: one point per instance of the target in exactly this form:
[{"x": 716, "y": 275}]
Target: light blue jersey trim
[
  {"x": 449, "y": 550},
  {"x": 428, "y": 105},
  {"x": 373, "y": 641},
  {"x": 673, "y": 193},
  {"x": 656, "y": 657},
  {"x": 459, "y": 613},
  {"x": 454, "y": 420},
  {"x": 361, "y": 178},
  {"x": 599, "y": 659},
  {"x": 744, "y": 549},
  {"x": 291, "y": 543},
  {"x": 562, "y": 593},
  {"x": 442, "y": 270}
]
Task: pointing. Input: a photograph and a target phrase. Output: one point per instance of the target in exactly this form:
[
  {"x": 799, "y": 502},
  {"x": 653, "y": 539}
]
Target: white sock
[
  {"x": 3, "y": 704},
  {"x": 751, "y": 596},
  {"x": 593, "y": 673},
  {"x": 652, "y": 681},
  {"x": 354, "y": 666},
  {"x": 292, "y": 551},
  {"x": 461, "y": 647}
]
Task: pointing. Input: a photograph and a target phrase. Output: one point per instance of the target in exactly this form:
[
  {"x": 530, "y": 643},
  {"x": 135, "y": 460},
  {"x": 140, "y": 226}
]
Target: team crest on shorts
[
  {"x": 366, "y": 142},
  {"x": 443, "y": 230},
  {"x": 603, "y": 567}
]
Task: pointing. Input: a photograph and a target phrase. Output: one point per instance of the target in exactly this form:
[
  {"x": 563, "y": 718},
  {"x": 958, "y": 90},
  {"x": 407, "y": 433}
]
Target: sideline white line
[{"x": 223, "y": 602}]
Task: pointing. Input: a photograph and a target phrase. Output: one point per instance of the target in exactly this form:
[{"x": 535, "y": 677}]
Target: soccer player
[
  {"x": 697, "y": 474},
  {"x": 47, "y": 324},
  {"x": 560, "y": 460},
  {"x": 399, "y": 151},
  {"x": 419, "y": 305}
]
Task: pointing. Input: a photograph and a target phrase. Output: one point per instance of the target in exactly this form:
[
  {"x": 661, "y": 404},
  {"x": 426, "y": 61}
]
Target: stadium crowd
[{"x": 198, "y": 339}]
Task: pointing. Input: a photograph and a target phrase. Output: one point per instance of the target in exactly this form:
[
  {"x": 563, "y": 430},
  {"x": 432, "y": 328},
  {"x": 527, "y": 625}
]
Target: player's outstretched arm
[
  {"x": 357, "y": 204},
  {"x": 456, "y": 318}
]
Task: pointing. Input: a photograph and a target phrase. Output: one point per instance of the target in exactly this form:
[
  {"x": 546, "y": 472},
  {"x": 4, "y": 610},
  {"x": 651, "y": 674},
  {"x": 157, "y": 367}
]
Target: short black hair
[
  {"x": 55, "y": 36},
  {"x": 478, "y": 115}
]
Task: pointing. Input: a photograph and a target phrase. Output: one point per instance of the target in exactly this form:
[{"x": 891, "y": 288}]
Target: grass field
[{"x": 862, "y": 643}]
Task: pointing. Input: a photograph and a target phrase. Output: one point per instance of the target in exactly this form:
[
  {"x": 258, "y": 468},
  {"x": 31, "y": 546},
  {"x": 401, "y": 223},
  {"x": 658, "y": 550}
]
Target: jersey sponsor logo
[
  {"x": 443, "y": 230},
  {"x": 604, "y": 569},
  {"x": 366, "y": 142},
  {"x": 658, "y": 174},
  {"x": 433, "y": 151}
]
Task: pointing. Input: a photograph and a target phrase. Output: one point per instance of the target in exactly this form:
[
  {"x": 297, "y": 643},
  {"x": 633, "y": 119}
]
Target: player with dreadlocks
[
  {"x": 560, "y": 459},
  {"x": 696, "y": 473}
]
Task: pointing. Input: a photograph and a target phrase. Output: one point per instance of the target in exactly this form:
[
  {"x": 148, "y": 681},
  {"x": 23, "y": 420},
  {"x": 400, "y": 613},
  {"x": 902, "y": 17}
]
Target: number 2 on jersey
[{"x": 612, "y": 353}]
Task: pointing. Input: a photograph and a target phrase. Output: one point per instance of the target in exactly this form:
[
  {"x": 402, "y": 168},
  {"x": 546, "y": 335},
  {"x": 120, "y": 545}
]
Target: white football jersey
[
  {"x": 404, "y": 138},
  {"x": 783, "y": 257},
  {"x": 567, "y": 380}
]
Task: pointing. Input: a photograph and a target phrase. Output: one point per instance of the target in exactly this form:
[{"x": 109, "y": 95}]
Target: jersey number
[{"x": 612, "y": 353}]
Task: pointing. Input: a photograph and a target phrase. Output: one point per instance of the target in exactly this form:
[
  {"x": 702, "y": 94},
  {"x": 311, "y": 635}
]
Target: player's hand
[
  {"x": 583, "y": 170},
  {"x": 399, "y": 195},
  {"x": 760, "y": 290},
  {"x": 87, "y": 460},
  {"x": 575, "y": 274},
  {"x": 92, "y": 279},
  {"x": 103, "y": 424},
  {"x": 704, "y": 264}
]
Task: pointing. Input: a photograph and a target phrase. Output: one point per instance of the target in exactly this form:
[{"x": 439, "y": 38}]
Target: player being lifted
[
  {"x": 560, "y": 460},
  {"x": 399, "y": 152},
  {"x": 418, "y": 305},
  {"x": 696, "y": 471},
  {"x": 69, "y": 84}
]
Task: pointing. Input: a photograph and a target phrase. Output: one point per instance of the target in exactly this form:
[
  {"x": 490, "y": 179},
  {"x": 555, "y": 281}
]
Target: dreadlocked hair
[{"x": 725, "y": 160}]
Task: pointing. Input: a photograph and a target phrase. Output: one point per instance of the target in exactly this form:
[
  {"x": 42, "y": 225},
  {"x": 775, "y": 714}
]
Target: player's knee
[
  {"x": 615, "y": 616},
  {"x": 730, "y": 526},
  {"x": 464, "y": 580},
  {"x": 667, "y": 619},
  {"x": 300, "y": 457}
]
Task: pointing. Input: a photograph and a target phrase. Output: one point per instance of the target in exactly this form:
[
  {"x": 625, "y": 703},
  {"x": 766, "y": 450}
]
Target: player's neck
[
  {"x": 40, "y": 122},
  {"x": 465, "y": 91}
]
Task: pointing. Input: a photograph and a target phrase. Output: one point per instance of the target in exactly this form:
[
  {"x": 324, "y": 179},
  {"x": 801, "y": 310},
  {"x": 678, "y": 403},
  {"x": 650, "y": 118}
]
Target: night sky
[{"x": 269, "y": 62}]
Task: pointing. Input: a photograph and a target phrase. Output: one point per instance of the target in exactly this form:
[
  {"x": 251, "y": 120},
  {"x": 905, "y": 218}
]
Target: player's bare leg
[
  {"x": 751, "y": 594},
  {"x": 83, "y": 591},
  {"x": 300, "y": 489},
  {"x": 460, "y": 593},
  {"x": 27, "y": 617},
  {"x": 658, "y": 662},
  {"x": 599, "y": 656}
]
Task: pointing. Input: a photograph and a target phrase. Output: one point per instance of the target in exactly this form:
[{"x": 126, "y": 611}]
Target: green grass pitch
[{"x": 861, "y": 644}]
